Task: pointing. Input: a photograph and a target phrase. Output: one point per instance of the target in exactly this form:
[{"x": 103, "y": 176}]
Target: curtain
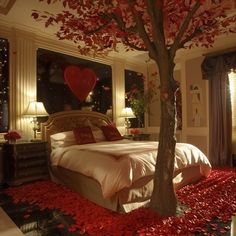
[{"x": 216, "y": 69}]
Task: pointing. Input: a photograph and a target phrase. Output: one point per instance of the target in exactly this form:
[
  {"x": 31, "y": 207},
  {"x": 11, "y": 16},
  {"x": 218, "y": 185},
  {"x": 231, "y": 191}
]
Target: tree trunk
[{"x": 163, "y": 198}]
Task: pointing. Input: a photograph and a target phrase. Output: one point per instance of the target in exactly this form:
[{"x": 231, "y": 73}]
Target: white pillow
[
  {"x": 62, "y": 139},
  {"x": 98, "y": 135}
]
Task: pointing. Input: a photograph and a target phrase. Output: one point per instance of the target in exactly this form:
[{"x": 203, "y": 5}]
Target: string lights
[{"x": 4, "y": 87}]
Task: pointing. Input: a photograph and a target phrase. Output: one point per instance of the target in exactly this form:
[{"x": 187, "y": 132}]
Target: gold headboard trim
[{"x": 68, "y": 120}]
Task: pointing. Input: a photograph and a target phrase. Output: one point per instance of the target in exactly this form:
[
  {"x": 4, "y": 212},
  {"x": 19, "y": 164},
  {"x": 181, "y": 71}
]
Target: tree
[{"x": 160, "y": 28}]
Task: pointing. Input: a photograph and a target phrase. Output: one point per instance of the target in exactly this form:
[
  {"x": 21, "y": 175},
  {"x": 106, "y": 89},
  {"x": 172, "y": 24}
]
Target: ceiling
[
  {"x": 18, "y": 14},
  {"x": 6, "y": 5}
]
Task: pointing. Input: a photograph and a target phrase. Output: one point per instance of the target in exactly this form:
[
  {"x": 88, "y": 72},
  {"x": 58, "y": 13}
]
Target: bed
[{"x": 116, "y": 174}]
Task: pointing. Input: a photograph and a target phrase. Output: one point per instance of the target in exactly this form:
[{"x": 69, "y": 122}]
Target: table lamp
[
  {"x": 127, "y": 113},
  {"x": 35, "y": 109}
]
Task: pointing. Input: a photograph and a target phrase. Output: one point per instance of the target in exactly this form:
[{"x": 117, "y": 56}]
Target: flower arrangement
[
  {"x": 12, "y": 135},
  {"x": 135, "y": 131},
  {"x": 139, "y": 99}
]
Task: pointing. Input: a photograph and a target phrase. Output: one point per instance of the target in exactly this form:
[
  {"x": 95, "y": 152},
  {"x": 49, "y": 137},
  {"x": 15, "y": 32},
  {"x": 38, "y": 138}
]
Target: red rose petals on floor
[{"x": 210, "y": 198}]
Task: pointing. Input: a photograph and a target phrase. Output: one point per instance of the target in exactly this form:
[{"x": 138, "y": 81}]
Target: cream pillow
[
  {"x": 62, "y": 139},
  {"x": 98, "y": 134}
]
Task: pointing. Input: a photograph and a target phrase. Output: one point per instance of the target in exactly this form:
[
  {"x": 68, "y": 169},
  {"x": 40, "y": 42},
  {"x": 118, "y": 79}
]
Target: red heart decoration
[{"x": 80, "y": 81}]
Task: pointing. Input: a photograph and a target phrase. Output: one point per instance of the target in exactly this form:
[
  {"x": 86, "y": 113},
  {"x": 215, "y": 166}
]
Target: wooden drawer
[
  {"x": 29, "y": 155},
  {"x": 32, "y": 171},
  {"x": 25, "y": 163},
  {"x": 30, "y": 147}
]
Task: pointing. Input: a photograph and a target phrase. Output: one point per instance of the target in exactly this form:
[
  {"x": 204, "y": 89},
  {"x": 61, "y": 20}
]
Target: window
[
  {"x": 51, "y": 84},
  {"x": 134, "y": 90},
  {"x": 4, "y": 78},
  {"x": 232, "y": 84}
]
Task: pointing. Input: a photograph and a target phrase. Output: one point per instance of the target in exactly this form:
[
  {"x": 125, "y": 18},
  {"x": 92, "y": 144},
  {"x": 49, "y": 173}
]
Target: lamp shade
[
  {"x": 127, "y": 113},
  {"x": 35, "y": 109}
]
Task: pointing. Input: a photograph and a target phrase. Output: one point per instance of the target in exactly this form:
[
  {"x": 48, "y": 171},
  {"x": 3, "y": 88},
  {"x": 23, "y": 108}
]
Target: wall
[
  {"x": 194, "y": 126},
  {"x": 23, "y": 48},
  {"x": 195, "y": 104}
]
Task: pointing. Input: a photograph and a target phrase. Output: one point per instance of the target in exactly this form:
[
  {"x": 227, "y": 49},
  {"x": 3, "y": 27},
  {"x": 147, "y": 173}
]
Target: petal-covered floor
[{"x": 45, "y": 208}]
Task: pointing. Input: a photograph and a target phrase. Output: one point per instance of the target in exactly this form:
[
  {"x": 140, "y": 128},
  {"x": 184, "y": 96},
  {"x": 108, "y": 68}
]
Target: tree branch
[
  {"x": 190, "y": 37},
  {"x": 131, "y": 45},
  {"x": 175, "y": 46},
  {"x": 141, "y": 30},
  {"x": 197, "y": 31},
  {"x": 101, "y": 27},
  {"x": 156, "y": 16}
]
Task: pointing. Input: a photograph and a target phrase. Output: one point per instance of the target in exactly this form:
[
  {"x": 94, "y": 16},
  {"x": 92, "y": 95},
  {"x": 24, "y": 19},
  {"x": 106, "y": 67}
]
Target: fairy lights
[{"x": 4, "y": 78}]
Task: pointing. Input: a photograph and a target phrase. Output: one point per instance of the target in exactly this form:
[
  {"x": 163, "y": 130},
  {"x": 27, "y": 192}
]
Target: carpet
[{"x": 211, "y": 202}]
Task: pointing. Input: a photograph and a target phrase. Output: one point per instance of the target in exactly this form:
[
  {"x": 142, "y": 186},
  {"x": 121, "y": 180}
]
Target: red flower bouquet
[
  {"x": 12, "y": 135},
  {"x": 135, "y": 131}
]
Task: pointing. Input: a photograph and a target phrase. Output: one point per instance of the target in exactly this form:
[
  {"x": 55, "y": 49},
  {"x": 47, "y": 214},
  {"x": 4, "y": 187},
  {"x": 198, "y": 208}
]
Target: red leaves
[
  {"x": 49, "y": 21},
  {"x": 35, "y": 15},
  {"x": 116, "y": 19}
]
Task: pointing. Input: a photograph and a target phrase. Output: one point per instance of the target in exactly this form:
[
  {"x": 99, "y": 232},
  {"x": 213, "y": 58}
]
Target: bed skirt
[{"x": 125, "y": 200}]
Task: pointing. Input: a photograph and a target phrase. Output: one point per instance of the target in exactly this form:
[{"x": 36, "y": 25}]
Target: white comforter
[{"x": 116, "y": 165}]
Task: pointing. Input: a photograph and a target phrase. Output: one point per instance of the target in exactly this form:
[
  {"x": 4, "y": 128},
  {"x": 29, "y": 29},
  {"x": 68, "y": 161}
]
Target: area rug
[{"x": 211, "y": 202}]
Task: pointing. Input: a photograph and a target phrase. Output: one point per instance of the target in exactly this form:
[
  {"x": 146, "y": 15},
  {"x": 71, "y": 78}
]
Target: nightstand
[
  {"x": 141, "y": 137},
  {"x": 1, "y": 166},
  {"x": 137, "y": 137},
  {"x": 24, "y": 162},
  {"x": 127, "y": 136}
]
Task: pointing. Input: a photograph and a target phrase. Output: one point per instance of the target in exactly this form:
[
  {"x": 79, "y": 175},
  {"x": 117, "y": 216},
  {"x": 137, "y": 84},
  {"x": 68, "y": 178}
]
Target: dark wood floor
[{"x": 33, "y": 222}]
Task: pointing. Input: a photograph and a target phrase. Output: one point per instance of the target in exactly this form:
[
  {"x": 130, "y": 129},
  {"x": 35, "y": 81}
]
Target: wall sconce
[
  {"x": 127, "y": 113},
  {"x": 34, "y": 110}
]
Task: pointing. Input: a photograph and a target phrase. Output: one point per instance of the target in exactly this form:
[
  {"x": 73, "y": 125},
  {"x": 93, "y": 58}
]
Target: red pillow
[
  {"x": 83, "y": 135},
  {"x": 111, "y": 133}
]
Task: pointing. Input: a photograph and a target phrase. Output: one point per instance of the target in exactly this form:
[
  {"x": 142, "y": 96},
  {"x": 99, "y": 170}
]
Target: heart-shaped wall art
[{"x": 80, "y": 81}]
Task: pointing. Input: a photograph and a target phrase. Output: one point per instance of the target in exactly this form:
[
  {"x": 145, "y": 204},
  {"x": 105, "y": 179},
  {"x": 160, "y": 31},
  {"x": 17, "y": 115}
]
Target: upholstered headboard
[{"x": 67, "y": 120}]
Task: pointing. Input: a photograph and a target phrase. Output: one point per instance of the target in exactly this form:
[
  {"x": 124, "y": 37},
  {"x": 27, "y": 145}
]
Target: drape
[{"x": 216, "y": 69}]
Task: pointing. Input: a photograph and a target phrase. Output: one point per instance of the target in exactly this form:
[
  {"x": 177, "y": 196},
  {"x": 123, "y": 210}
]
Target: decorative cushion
[
  {"x": 101, "y": 123},
  {"x": 62, "y": 139},
  {"x": 111, "y": 133},
  {"x": 83, "y": 135},
  {"x": 98, "y": 135}
]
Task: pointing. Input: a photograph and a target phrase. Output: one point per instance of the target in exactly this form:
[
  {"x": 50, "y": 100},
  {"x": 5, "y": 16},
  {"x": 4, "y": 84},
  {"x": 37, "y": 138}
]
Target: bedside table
[
  {"x": 137, "y": 137},
  {"x": 127, "y": 136},
  {"x": 141, "y": 137},
  {"x": 1, "y": 166},
  {"x": 24, "y": 162}
]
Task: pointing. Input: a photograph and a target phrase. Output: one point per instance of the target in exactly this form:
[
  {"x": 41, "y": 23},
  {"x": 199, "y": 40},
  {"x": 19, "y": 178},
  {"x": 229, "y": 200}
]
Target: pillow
[
  {"x": 111, "y": 133},
  {"x": 98, "y": 135},
  {"x": 63, "y": 139},
  {"x": 100, "y": 123},
  {"x": 87, "y": 122},
  {"x": 83, "y": 135},
  {"x": 97, "y": 132}
]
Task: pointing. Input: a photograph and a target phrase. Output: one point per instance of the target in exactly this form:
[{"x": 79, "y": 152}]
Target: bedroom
[{"x": 23, "y": 53}]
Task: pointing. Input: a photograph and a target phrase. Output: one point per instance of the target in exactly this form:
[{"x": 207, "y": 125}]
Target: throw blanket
[{"x": 130, "y": 164}]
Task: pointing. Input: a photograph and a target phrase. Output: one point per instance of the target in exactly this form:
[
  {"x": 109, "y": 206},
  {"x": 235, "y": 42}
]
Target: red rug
[{"x": 210, "y": 199}]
